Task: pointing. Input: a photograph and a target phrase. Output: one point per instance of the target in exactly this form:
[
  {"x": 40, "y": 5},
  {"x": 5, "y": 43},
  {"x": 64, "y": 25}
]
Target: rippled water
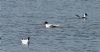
[{"x": 23, "y": 18}]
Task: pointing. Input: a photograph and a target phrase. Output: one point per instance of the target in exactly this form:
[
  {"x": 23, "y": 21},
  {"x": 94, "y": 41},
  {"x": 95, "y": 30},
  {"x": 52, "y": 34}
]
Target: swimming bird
[
  {"x": 47, "y": 25},
  {"x": 25, "y": 41},
  {"x": 83, "y": 17}
]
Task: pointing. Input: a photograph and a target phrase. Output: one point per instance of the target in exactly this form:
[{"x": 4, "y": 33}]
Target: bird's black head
[
  {"x": 45, "y": 22},
  {"x": 28, "y": 38},
  {"x": 86, "y": 14}
]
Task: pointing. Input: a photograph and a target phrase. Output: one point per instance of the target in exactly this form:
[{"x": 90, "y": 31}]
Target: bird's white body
[
  {"x": 25, "y": 41},
  {"x": 47, "y": 25},
  {"x": 84, "y": 15},
  {"x": 51, "y": 25}
]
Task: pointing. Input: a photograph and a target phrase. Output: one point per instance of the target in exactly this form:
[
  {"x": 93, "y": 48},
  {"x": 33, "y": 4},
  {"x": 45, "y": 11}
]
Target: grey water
[{"x": 24, "y": 18}]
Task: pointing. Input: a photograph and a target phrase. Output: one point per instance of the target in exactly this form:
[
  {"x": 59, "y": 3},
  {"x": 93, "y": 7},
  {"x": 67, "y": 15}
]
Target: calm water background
[{"x": 23, "y": 18}]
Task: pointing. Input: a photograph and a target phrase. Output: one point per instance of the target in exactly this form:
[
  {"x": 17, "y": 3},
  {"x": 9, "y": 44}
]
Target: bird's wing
[{"x": 78, "y": 16}]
